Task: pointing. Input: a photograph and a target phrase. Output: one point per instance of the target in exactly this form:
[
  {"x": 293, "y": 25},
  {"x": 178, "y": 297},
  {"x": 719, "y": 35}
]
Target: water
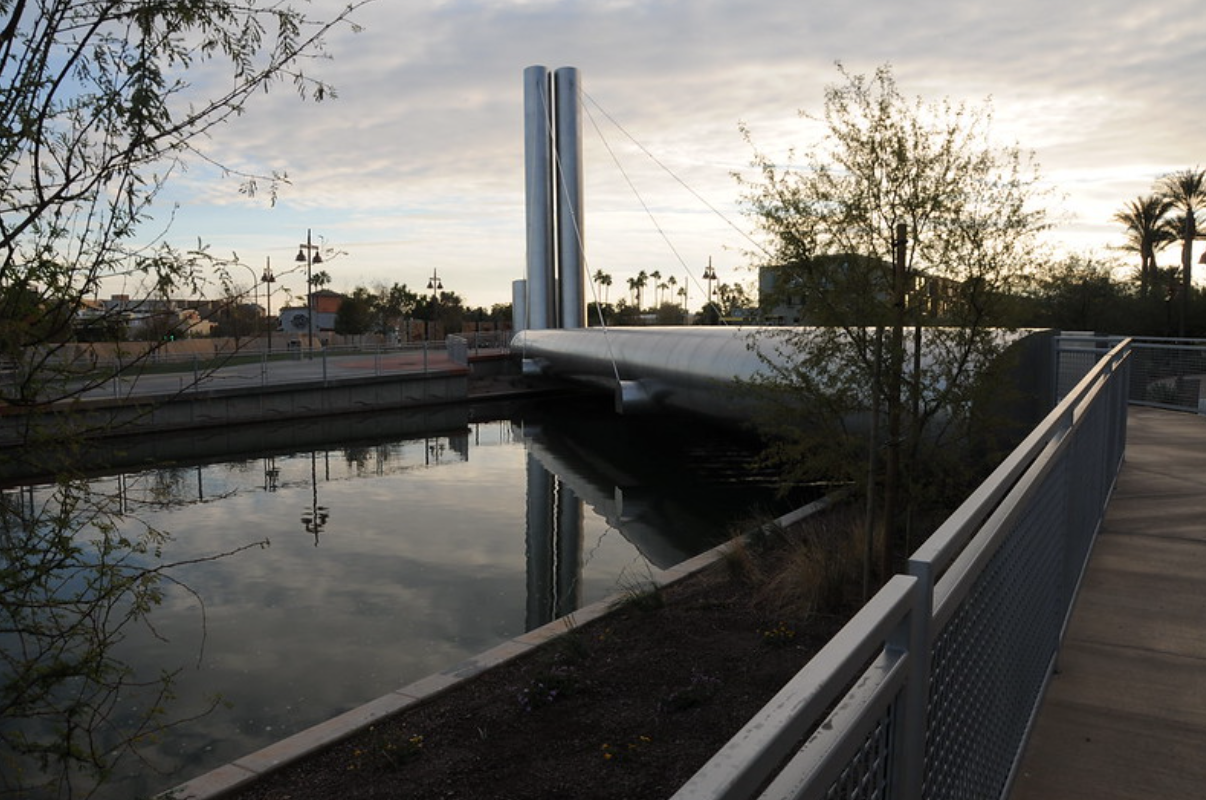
[{"x": 388, "y": 557}]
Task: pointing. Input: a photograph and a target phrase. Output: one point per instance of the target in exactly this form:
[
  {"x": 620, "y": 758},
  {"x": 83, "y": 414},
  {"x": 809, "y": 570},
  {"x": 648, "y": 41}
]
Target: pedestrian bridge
[{"x": 945, "y": 685}]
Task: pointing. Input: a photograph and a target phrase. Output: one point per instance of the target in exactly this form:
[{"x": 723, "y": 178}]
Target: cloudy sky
[{"x": 417, "y": 165}]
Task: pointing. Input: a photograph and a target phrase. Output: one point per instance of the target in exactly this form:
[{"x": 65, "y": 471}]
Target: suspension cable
[{"x": 615, "y": 159}]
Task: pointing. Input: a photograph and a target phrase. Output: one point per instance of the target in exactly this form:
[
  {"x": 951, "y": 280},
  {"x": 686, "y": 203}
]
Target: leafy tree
[
  {"x": 669, "y": 314},
  {"x": 1080, "y": 294},
  {"x": 599, "y": 314},
  {"x": 358, "y": 313},
  {"x": 394, "y": 305},
  {"x": 447, "y": 310},
  {"x": 100, "y": 104},
  {"x": 901, "y": 202},
  {"x": 501, "y": 313}
]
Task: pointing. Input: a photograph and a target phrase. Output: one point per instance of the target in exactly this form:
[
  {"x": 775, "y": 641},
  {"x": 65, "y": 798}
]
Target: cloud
[{"x": 422, "y": 149}]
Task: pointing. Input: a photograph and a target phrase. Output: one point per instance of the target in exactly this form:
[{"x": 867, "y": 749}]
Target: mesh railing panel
[
  {"x": 1168, "y": 375},
  {"x": 867, "y": 776},
  {"x": 989, "y": 662}
]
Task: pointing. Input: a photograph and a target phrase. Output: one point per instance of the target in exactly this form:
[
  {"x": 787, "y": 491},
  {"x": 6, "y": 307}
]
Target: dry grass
[{"x": 811, "y": 569}]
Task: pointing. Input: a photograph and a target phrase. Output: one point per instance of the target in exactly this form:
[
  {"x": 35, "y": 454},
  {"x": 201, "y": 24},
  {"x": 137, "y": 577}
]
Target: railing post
[{"x": 911, "y": 734}]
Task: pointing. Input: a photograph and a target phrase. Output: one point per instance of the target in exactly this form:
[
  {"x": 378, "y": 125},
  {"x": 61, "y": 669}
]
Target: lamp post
[
  {"x": 709, "y": 275},
  {"x": 233, "y": 312},
  {"x": 435, "y": 286},
  {"x": 309, "y": 253},
  {"x": 268, "y": 278}
]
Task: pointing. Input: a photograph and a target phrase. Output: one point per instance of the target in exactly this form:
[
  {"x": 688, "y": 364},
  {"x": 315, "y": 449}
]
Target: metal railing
[
  {"x": 1165, "y": 373},
  {"x": 931, "y": 689}
]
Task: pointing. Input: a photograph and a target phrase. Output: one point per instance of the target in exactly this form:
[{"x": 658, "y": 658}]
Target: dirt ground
[{"x": 627, "y": 706}]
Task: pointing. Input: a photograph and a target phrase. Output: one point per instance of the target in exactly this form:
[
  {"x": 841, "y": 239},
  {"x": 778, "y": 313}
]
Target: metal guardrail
[{"x": 931, "y": 689}]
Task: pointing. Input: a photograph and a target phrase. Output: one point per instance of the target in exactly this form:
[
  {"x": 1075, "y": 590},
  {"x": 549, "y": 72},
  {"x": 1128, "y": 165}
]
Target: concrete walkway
[
  {"x": 1125, "y": 715},
  {"x": 301, "y": 368}
]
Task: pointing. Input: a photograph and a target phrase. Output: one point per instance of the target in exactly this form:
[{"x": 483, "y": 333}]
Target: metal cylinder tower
[{"x": 556, "y": 273}]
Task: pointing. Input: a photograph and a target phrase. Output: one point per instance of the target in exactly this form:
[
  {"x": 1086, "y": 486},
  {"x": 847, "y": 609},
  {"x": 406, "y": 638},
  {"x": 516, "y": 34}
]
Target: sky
[{"x": 416, "y": 167}]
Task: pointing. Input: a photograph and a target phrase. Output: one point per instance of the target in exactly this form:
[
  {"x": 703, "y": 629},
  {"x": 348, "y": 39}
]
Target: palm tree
[
  {"x": 1186, "y": 190},
  {"x": 1146, "y": 221},
  {"x": 640, "y": 282},
  {"x": 656, "y": 275},
  {"x": 602, "y": 280}
]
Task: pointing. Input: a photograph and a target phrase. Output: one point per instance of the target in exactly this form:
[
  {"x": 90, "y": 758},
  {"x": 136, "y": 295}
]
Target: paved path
[
  {"x": 1125, "y": 716},
  {"x": 300, "y": 369}
]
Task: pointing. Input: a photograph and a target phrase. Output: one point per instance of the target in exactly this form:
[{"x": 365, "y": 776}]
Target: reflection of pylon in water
[{"x": 272, "y": 474}]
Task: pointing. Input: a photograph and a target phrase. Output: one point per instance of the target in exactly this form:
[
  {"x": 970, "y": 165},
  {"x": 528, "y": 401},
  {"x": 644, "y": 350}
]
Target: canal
[{"x": 319, "y": 565}]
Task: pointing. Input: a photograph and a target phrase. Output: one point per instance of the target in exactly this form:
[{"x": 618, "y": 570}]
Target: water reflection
[
  {"x": 315, "y": 517},
  {"x": 395, "y": 556}
]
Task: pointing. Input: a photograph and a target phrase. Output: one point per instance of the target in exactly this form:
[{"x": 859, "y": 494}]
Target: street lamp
[
  {"x": 233, "y": 312},
  {"x": 709, "y": 275},
  {"x": 268, "y": 279},
  {"x": 435, "y": 286},
  {"x": 310, "y": 254}
]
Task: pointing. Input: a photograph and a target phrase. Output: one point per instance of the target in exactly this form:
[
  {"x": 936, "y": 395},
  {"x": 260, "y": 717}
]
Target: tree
[
  {"x": 642, "y": 280},
  {"x": 1147, "y": 232},
  {"x": 358, "y": 313},
  {"x": 100, "y": 104},
  {"x": 447, "y": 310},
  {"x": 395, "y": 305},
  {"x": 1186, "y": 191},
  {"x": 603, "y": 281},
  {"x": 898, "y": 195},
  {"x": 1080, "y": 294}
]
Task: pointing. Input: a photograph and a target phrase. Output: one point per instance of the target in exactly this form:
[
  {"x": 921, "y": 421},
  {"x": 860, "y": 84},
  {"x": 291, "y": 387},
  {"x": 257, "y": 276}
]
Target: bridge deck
[{"x": 1125, "y": 716}]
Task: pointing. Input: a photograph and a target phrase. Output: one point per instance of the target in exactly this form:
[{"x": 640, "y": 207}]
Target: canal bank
[{"x": 156, "y": 416}]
